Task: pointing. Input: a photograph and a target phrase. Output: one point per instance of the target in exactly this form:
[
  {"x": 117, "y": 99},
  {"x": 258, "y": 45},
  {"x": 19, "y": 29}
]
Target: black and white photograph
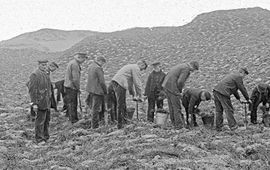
[{"x": 135, "y": 85}]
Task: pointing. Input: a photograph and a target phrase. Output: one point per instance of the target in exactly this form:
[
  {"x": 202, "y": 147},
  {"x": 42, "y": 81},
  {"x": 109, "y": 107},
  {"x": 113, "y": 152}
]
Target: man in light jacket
[
  {"x": 173, "y": 85},
  {"x": 97, "y": 89},
  {"x": 125, "y": 79},
  {"x": 72, "y": 85}
]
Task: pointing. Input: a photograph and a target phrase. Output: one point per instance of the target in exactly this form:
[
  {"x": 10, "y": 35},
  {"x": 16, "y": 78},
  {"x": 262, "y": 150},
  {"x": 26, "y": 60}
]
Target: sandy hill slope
[
  {"x": 221, "y": 41},
  {"x": 49, "y": 40}
]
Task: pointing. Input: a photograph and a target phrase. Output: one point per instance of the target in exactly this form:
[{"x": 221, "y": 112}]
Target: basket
[
  {"x": 208, "y": 121},
  {"x": 161, "y": 118},
  {"x": 266, "y": 120},
  {"x": 130, "y": 112}
]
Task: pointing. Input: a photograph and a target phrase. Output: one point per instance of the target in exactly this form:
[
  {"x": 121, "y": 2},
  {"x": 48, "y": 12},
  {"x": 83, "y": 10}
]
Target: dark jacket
[
  {"x": 191, "y": 98},
  {"x": 59, "y": 85},
  {"x": 154, "y": 82},
  {"x": 230, "y": 84},
  {"x": 96, "y": 82},
  {"x": 175, "y": 80},
  {"x": 39, "y": 87}
]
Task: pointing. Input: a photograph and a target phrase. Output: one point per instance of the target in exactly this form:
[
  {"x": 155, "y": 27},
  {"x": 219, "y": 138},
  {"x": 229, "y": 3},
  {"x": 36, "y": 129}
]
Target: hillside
[
  {"x": 49, "y": 40},
  {"x": 221, "y": 41}
]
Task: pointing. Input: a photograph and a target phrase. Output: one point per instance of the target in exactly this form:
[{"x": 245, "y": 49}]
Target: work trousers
[
  {"x": 176, "y": 115},
  {"x": 223, "y": 103},
  {"x": 72, "y": 104},
  {"x": 42, "y": 125}
]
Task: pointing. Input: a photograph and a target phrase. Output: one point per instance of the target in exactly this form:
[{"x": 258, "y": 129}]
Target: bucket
[
  {"x": 266, "y": 120},
  {"x": 161, "y": 118},
  {"x": 130, "y": 112},
  {"x": 208, "y": 121}
]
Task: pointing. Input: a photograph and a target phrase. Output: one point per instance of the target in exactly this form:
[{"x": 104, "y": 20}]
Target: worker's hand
[
  {"x": 35, "y": 108},
  {"x": 267, "y": 105}
]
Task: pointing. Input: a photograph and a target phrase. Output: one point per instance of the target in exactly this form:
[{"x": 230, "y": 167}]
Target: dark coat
[
  {"x": 230, "y": 84},
  {"x": 154, "y": 82},
  {"x": 39, "y": 87},
  {"x": 175, "y": 80},
  {"x": 261, "y": 93},
  {"x": 191, "y": 98},
  {"x": 96, "y": 82}
]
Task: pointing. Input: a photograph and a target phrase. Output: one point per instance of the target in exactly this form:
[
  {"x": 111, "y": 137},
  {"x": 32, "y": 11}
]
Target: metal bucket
[
  {"x": 130, "y": 112},
  {"x": 208, "y": 121},
  {"x": 161, "y": 118}
]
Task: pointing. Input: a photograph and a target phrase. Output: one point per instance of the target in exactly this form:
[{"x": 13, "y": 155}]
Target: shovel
[
  {"x": 137, "y": 100},
  {"x": 245, "y": 107}
]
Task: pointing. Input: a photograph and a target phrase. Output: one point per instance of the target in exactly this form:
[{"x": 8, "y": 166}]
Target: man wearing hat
[
  {"x": 191, "y": 100},
  {"x": 222, "y": 92},
  {"x": 173, "y": 85},
  {"x": 260, "y": 94},
  {"x": 153, "y": 89},
  {"x": 125, "y": 79},
  {"x": 39, "y": 87},
  {"x": 72, "y": 85},
  {"x": 97, "y": 89}
]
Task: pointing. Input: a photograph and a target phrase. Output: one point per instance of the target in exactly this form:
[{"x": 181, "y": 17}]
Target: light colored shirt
[
  {"x": 128, "y": 77},
  {"x": 73, "y": 74}
]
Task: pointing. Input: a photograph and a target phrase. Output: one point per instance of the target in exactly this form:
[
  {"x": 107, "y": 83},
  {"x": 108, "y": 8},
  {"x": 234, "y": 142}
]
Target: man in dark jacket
[
  {"x": 97, "y": 88},
  {"x": 222, "y": 92},
  {"x": 191, "y": 100},
  {"x": 72, "y": 85},
  {"x": 152, "y": 90},
  {"x": 260, "y": 94},
  {"x": 40, "y": 93},
  {"x": 173, "y": 84}
]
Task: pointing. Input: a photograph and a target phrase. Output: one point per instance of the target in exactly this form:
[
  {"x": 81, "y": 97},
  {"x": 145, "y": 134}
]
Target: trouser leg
[
  {"x": 39, "y": 125},
  {"x": 151, "y": 109},
  {"x": 46, "y": 125},
  {"x": 219, "y": 111},
  {"x": 120, "y": 94},
  {"x": 96, "y": 110},
  {"x": 72, "y": 97}
]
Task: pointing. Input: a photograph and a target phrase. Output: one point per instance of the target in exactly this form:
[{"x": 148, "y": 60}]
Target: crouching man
[
  {"x": 191, "y": 100},
  {"x": 260, "y": 94}
]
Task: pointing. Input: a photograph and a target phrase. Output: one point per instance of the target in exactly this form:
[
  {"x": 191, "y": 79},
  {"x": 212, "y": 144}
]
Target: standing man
[
  {"x": 222, "y": 92},
  {"x": 173, "y": 85},
  {"x": 51, "y": 68},
  {"x": 191, "y": 100},
  {"x": 72, "y": 85},
  {"x": 152, "y": 90},
  {"x": 260, "y": 94},
  {"x": 40, "y": 93},
  {"x": 97, "y": 89},
  {"x": 125, "y": 79}
]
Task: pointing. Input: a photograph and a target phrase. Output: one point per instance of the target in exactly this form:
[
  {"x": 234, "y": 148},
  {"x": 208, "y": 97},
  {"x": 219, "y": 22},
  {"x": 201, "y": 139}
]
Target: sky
[{"x": 21, "y": 16}]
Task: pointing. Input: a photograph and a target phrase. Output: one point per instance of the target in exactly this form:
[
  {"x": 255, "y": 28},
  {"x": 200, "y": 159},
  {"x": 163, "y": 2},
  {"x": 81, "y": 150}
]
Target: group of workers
[{"x": 112, "y": 98}]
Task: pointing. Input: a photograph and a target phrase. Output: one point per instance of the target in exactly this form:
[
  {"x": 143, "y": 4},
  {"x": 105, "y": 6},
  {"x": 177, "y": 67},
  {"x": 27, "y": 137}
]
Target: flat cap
[
  {"x": 194, "y": 64},
  {"x": 54, "y": 64},
  {"x": 81, "y": 54},
  {"x": 244, "y": 69},
  {"x": 101, "y": 58},
  {"x": 155, "y": 63},
  {"x": 42, "y": 61}
]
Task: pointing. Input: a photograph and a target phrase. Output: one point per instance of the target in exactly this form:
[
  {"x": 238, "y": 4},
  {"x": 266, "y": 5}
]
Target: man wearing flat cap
[
  {"x": 222, "y": 92},
  {"x": 153, "y": 89},
  {"x": 97, "y": 89},
  {"x": 173, "y": 85},
  {"x": 39, "y": 87},
  {"x": 125, "y": 79},
  {"x": 72, "y": 85}
]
